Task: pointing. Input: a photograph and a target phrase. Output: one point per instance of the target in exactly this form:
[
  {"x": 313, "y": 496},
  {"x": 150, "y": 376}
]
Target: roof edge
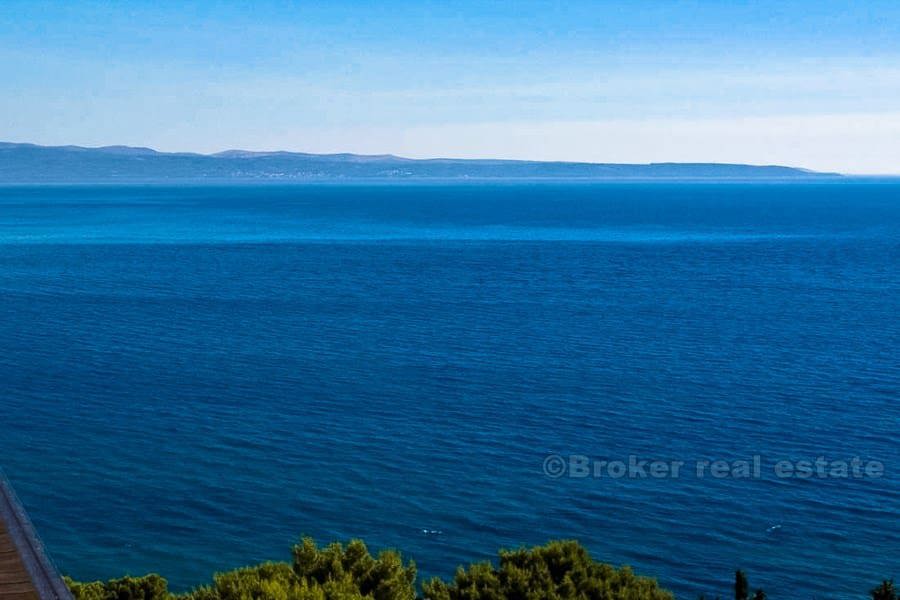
[{"x": 44, "y": 577}]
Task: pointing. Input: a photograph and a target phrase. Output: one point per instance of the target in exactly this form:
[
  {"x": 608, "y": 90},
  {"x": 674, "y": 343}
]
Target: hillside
[{"x": 29, "y": 163}]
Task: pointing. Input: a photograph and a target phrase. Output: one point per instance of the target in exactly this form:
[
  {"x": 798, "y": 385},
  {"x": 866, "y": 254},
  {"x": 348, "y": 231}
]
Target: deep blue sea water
[{"x": 192, "y": 377}]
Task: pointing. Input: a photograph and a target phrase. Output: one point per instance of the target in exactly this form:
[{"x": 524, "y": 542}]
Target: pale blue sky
[{"x": 813, "y": 84}]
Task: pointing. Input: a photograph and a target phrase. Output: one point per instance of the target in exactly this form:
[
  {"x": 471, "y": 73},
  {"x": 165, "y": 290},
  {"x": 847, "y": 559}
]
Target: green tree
[
  {"x": 885, "y": 591},
  {"x": 381, "y": 578},
  {"x": 558, "y": 571},
  {"x": 741, "y": 586},
  {"x": 150, "y": 587},
  {"x": 330, "y": 573}
]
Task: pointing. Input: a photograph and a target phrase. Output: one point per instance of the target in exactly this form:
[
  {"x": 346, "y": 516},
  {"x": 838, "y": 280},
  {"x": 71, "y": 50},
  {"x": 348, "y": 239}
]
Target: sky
[{"x": 813, "y": 84}]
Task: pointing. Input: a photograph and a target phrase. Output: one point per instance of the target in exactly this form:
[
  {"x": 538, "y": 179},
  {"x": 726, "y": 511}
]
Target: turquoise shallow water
[{"x": 194, "y": 376}]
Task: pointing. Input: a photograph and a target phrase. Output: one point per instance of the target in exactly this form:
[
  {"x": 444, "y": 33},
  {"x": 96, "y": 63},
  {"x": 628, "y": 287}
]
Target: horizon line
[{"x": 389, "y": 155}]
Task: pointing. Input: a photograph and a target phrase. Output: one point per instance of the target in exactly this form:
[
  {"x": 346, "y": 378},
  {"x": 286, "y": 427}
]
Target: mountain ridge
[{"x": 33, "y": 163}]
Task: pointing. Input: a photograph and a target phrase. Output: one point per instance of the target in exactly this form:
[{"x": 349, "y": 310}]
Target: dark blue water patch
[
  {"x": 564, "y": 212},
  {"x": 194, "y": 377}
]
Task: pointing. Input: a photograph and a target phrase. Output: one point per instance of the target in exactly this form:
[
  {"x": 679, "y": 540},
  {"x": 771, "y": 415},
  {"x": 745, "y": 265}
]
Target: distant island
[{"x": 31, "y": 163}]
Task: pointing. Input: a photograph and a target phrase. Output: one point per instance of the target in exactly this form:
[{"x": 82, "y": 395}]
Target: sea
[{"x": 194, "y": 376}]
